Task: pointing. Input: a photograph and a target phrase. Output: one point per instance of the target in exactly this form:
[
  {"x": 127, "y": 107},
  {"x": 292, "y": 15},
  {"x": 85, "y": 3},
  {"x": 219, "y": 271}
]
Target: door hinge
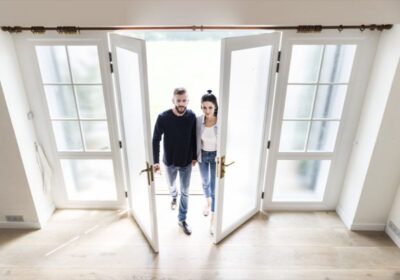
[
  {"x": 120, "y": 144},
  {"x": 262, "y": 195},
  {"x": 111, "y": 64},
  {"x": 126, "y": 194},
  {"x": 268, "y": 144},
  {"x": 278, "y": 61},
  {"x": 30, "y": 115}
]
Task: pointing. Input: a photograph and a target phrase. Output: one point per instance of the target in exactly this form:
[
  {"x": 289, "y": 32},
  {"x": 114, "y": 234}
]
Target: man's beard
[{"x": 180, "y": 109}]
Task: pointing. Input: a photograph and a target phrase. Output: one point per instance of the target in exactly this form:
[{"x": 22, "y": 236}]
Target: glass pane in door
[
  {"x": 247, "y": 104},
  {"x": 89, "y": 179},
  {"x": 95, "y": 135},
  {"x": 305, "y": 63},
  {"x": 68, "y": 136},
  {"x": 90, "y": 102},
  {"x": 130, "y": 90},
  {"x": 337, "y": 63},
  {"x": 298, "y": 180},
  {"x": 84, "y": 61},
  {"x": 53, "y": 64},
  {"x": 60, "y": 101}
]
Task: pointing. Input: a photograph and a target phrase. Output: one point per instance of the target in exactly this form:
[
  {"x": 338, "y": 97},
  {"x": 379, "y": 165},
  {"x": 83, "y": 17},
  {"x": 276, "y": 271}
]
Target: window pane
[
  {"x": 53, "y": 64},
  {"x": 293, "y": 136},
  {"x": 248, "y": 74},
  {"x": 330, "y": 100},
  {"x": 95, "y": 134},
  {"x": 304, "y": 64},
  {"x": 299, "y": 101},
  {"x": 68, "y": 136},
  {"x": 90, "y": 101},
  {"x": 60, "y": 100},
  {"x": 132, "y": 110},
  {"x": 300, "y": 180},
  {"x": 89, "y": 179},
  {"x": 323, "y": 136},
  {"x": 337, "y": 63},
  {"x": 85, "y": 66}
]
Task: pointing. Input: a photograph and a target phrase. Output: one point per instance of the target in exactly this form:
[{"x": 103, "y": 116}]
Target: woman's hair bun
[{"x": 209, "y": 91}]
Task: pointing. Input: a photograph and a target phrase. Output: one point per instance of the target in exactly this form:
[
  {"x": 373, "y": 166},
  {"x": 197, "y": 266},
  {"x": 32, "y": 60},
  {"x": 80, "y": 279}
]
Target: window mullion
[
  {"x": 314, "y": 100},
  {"x": 75, "y": 100}
]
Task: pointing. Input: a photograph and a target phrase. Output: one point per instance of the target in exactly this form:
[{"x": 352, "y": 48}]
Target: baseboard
[
  {"x": 45, "y": 219},
  {"x": 21, "y": 225},
  {"x": 368, "y": 227},
  {"x": 343, "y": 216},
  {"x": 393, "y": 236},
  {"x": 354, "y": 226}
]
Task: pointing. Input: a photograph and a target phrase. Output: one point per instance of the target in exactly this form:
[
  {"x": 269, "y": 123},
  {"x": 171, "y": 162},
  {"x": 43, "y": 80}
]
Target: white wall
[
  {"x": 15, "y": 196},
  {"x": 27, "y": 173},
  {"x": 374, "y": 166},
  {"x": 394, "y": 217},
  {"x": 197, "y": 12}
]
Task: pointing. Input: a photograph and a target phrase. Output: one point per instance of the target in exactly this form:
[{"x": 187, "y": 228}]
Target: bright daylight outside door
[
  {"x": 247, "y": 82},
  {"x": 129, "y": 60}
]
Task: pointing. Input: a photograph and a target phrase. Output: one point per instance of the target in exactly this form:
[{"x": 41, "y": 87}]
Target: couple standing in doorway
[{"x": 188, "y": 140}]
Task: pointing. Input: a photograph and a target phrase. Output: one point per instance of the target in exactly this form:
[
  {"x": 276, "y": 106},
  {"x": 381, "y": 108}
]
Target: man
[{"x": 178, "y": 125}]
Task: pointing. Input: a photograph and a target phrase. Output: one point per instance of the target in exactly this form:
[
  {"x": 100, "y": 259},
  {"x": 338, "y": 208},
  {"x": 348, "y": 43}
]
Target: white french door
[
  {"x": 247, "y": 83},
  {"x": 129, "y": 63},
  {"x": 315, "y": 114},
  {"x": 71, "y": 101}
]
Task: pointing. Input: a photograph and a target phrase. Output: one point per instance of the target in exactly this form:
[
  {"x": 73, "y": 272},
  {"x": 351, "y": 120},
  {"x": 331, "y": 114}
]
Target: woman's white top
[
  {"x": 200, "y": 127},
  {"x": 209, "y": 139}
]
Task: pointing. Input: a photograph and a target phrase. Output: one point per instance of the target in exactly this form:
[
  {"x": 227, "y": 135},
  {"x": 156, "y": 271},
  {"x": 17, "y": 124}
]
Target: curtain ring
[
  {"x": 340, "y": 28},
  {"x": 362, "y": 27}
]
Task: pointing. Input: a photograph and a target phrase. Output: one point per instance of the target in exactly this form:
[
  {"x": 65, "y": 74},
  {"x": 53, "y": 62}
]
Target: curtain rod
[{"x": 299, "y": 28}]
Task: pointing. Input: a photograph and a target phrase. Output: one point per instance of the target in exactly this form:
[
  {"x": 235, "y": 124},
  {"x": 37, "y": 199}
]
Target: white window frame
[
  {"x": 366, "y": 46},
  {"x": 25, "y": 44}
]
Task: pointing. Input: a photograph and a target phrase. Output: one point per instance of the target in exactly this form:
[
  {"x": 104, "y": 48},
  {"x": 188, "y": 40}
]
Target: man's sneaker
[
  {"x": 173, "y": 203},
  {"x": 185, "y": 227}
]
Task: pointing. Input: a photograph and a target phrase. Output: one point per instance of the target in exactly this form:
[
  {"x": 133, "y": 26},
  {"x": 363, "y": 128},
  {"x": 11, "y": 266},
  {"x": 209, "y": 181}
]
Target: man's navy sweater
[{"x": 179, "y": 138}]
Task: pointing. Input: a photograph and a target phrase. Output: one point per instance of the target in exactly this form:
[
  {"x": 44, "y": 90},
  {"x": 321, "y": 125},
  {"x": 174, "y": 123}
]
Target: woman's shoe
[
  {"x": 212, "y": 224},
  {"x": 206, "y": 210}
]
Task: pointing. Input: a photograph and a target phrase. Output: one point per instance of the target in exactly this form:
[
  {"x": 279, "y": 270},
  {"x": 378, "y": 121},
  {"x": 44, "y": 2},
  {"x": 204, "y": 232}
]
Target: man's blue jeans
[
  {"x": 207, "y": 170},
  {"x": 184, "y": 176}
]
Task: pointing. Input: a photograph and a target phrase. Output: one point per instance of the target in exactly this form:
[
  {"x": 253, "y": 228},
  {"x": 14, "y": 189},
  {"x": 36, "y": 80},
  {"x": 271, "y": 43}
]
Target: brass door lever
[{"x": 150, "y": 174}]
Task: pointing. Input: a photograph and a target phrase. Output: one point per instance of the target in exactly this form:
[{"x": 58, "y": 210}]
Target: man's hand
[
  {"x": 156, "y": 167},
  {"x": 194, "y": 162}
]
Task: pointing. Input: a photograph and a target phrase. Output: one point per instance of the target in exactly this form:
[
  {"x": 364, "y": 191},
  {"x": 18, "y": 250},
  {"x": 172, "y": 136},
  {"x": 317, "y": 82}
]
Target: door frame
[
  {"x": 366, "y": 46},
  {"x": 118, "y": 39},
  {"x": 228, "y": 45},
  {"x": 25, "y": 45}
]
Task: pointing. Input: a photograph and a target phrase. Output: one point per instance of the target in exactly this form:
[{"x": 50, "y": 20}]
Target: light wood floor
[{"x": 83, "y": 244}]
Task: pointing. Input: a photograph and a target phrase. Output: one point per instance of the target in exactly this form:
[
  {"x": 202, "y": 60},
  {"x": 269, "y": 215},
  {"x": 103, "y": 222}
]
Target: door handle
[
  {"x": 221, "y": 167},
  {"x": 229, "y": 164},
  {"x": 150, "y": 174}
]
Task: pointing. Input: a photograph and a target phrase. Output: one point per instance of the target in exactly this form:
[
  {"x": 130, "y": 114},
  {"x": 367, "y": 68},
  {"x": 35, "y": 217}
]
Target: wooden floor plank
[{"x": 100, "y": 244}]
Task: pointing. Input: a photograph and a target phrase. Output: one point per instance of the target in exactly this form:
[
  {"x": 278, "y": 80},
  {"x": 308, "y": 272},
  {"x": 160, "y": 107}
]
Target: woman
[{"x": 207, "y": 150}]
